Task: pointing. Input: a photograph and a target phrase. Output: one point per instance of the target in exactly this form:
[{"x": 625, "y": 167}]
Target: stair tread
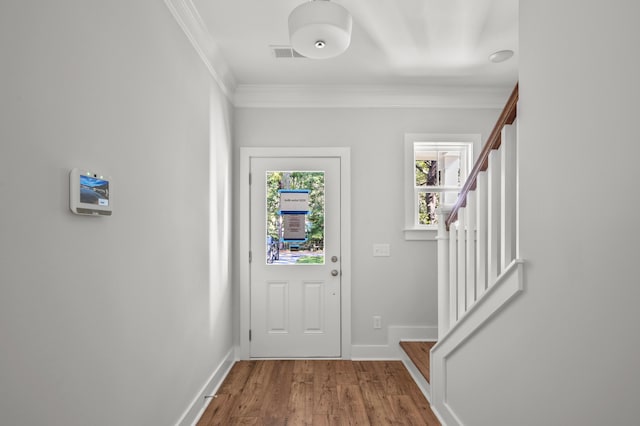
[{"x": 418, "y": 353}]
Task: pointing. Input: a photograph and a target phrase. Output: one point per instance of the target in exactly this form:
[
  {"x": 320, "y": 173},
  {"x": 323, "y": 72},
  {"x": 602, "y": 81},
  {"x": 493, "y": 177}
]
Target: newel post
[{"x": 443, "y": 271}]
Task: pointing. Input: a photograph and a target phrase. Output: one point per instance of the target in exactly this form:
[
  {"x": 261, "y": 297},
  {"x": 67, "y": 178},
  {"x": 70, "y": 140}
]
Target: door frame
[{"x": 344, "y": 154}]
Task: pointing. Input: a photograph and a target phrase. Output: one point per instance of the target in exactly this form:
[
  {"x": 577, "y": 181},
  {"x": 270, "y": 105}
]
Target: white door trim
[{"x": 344, "y": 153}]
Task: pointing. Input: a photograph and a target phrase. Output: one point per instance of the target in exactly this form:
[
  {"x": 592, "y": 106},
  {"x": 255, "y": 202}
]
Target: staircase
[{"x": 479, "y": 265}]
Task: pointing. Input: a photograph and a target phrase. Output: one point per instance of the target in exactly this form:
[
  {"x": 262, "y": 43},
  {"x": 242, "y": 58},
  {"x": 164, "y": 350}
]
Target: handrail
[{"x": 507, "y": 116}]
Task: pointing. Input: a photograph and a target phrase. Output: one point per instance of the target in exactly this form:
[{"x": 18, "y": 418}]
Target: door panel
[
  {"x": 277, "y": 307},
  {"x": 294, "y": 284},
  {"x": 314, "y": 308}
]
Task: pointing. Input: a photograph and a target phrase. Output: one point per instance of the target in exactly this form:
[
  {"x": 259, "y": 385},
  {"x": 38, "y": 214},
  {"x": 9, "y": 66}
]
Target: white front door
[{"x": 295, "y": 291}]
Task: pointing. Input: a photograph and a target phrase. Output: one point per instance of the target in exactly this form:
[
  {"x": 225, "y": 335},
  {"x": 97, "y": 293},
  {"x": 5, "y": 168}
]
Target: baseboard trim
[
  {"x": 435, "y": 411},
  {"x": 373, "y": 353},
  {"x": 199, "y": 404},
  {"x": 392, "y": 351},
  {"x": 412, "y": 333}
]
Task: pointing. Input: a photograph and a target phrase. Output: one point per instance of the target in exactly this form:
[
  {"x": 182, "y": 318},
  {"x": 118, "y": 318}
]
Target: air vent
[{"x": 281, "y": 52}]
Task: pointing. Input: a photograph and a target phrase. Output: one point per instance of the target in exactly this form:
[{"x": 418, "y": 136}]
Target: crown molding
[
  {"x": 300, "y": 96},
  {"x": 189, "y": 19}
]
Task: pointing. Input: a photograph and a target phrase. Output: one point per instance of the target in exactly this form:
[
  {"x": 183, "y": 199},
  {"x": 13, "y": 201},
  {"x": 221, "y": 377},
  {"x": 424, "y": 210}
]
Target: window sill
[{"x": 420, "y": 234}]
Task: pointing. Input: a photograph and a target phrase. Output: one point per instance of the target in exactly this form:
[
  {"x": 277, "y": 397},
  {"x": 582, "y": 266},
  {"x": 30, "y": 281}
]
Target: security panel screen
[
  {"x": 94, "y": 191},
  {"x": 90, "y": 193}
]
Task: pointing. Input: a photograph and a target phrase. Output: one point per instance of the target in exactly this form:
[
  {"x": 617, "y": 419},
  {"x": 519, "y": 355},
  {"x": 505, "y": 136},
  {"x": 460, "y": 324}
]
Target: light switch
[{"x": 381, "y": 250}]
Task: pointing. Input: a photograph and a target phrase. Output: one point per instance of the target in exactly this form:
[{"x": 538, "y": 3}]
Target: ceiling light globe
[
  {"x": 320, "y": 21},
  {"x": 500, "y": 56}
]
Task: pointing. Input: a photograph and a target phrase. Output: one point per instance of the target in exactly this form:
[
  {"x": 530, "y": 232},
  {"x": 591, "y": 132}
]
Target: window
[{"x": 436, "y": 168}]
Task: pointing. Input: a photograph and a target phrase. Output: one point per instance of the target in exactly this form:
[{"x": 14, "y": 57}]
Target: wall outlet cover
[{"x": 381, "y": 250}]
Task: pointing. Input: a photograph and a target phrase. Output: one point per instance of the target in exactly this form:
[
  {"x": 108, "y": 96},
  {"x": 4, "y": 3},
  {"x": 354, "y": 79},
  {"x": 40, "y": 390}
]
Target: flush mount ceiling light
[
  {"x": 320, "y": 29},
  {"x": 500, "y": 56}
]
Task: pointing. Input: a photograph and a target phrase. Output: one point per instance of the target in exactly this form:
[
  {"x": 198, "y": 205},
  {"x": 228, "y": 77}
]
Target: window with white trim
[{"x": 436, "y": 167}]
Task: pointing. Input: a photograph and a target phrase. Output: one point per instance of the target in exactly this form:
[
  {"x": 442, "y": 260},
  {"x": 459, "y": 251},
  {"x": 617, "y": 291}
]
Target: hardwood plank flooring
[
  {"x": 419, "y": 354},
  {"x": 318, "y": 393}
]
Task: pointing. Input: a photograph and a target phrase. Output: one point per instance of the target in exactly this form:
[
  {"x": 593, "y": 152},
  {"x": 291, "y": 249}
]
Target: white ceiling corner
[{"x": 190, "y": 21}]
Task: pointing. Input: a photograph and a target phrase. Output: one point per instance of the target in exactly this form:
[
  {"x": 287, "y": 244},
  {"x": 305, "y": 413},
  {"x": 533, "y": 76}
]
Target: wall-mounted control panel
[{"x": 90, "y": 193}]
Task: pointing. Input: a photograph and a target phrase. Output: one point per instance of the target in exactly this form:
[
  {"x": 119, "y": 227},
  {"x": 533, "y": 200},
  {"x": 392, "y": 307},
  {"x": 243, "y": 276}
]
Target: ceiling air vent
[{"x": 285, "y": 52}]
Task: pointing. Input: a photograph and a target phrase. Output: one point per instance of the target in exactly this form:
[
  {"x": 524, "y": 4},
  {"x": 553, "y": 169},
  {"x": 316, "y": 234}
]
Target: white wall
[
  {"x": 400, "y": 288},
  {"x": 114, "y": 320},
  {"x": 567, "y": 351}
]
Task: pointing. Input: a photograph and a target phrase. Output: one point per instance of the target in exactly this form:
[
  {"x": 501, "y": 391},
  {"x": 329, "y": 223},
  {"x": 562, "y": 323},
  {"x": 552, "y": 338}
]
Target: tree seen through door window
[{"x": 312, "y": 249}]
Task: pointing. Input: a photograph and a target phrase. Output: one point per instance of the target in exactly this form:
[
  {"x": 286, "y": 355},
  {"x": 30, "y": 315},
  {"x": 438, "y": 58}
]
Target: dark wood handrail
[{"x": 507, "y": 116}]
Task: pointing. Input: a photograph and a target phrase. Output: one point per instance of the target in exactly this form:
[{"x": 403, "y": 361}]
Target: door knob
[{"x": 334, "y": 272}]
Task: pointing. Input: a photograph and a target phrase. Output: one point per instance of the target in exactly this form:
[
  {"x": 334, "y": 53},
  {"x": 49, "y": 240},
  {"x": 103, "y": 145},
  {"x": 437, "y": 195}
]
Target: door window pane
[{"x": 295, "y": 218}]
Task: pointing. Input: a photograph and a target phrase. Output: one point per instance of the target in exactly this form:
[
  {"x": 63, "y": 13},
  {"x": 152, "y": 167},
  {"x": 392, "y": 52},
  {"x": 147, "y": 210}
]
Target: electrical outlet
[
  {"x": 377, "y": 321},
  {"x": 381, "y": 250}
]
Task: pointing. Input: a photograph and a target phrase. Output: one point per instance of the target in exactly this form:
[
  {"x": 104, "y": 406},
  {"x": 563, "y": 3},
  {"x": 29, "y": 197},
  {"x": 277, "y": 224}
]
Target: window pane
[
  {"x": 295, "y": 235},
  {"x": 428, "y": 202},
  {"x": 438, "y": 168},
  {"x": 449, "y": 198},
  {"x": 450, "y": 165},
  {"x": 426, "y": 171}
]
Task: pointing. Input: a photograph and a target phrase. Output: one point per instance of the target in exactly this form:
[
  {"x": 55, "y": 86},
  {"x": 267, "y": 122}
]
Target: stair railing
[{"x": 479, "y": 238}]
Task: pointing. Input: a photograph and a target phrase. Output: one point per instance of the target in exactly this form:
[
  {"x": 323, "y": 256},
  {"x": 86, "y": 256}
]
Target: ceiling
[{"x": 439, "y": 43}]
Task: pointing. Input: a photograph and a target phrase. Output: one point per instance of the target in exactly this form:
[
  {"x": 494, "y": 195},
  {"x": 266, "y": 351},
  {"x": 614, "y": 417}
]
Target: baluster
[
  {"x": 462, "y": 262},
  {"x": 517, "y": 200},
  {"x": 508, "y": 196},
  {"x": 471, "y": 218},
  {"x": 443, "y": 273},
  {"x": 453, "y": 274},
  {"x": 481, "y": 234},
  {"x": 493, "y": 230}
]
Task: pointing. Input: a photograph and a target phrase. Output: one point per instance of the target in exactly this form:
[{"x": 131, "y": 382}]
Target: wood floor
[
  {"x": 318, "y": 392},
  {"x": 419, "y": 354}
]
